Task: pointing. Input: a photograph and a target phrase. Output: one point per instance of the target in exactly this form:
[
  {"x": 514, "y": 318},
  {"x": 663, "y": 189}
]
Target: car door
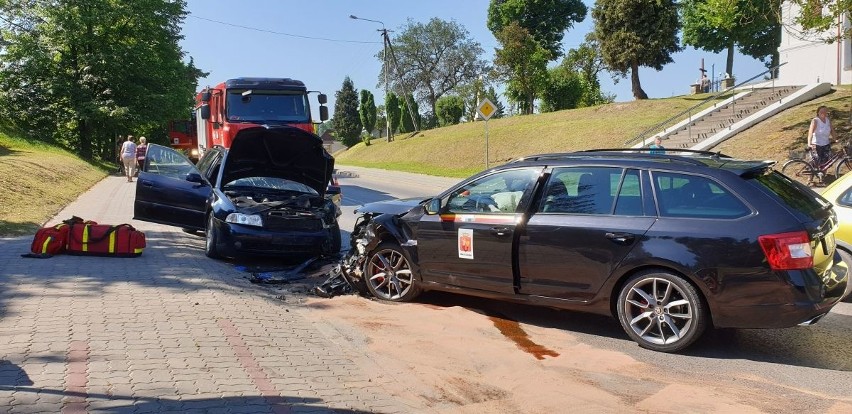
[
  {"x": 170, "y": 190},
  {"x": 586, "y": 221},
  {"x": 470, "y": 244}
]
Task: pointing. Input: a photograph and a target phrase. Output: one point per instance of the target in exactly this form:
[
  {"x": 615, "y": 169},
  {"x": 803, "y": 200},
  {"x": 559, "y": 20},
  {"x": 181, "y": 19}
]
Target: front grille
[{"x": 279, "y": 222}]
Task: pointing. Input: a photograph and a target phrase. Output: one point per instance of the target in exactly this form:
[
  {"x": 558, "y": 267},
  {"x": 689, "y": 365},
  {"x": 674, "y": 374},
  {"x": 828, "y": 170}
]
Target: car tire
[
  {"x": 389, "y": 276},
  {"x": 661, "y": 311},
  {"x": 211, "y": 239}
]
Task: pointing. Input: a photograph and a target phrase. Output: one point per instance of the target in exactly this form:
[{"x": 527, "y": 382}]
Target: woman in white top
[
  {"x": 821, "y": 133},
  {"x": 128, "y": 157}
]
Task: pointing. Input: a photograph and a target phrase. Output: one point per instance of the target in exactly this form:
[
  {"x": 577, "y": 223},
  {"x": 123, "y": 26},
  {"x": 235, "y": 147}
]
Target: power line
[{"x": 280, "y": 33}]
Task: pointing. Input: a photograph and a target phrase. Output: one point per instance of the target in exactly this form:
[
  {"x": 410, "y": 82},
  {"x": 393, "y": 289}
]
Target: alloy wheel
[
  {"x": 658, "y": 311},
  {"x": 389, "y": 275}
]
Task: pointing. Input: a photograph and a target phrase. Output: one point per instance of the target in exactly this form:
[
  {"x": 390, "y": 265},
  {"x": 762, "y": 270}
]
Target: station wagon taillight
[{"x": 787, "y": 251}]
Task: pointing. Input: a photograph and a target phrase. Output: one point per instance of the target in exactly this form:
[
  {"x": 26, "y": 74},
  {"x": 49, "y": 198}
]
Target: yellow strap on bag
[
  {"x": 86, "y": 238},
  {"x": 112, "y": 241},
  {"x": 44, "y": 245}
]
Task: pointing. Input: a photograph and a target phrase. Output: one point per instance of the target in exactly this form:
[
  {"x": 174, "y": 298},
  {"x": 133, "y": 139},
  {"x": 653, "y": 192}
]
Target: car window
[
  {"x": 500, "y": 192},
  {"x": 167, "y": 162},
  {"x": 845, "y": 199},
  {"x": 629, "y": 200},
  {"x": 685, "y": 195},
  {"x": 585, "y": 190},
  {"x": 209, "y": 164},
  {"x": 791, "y": 194}
]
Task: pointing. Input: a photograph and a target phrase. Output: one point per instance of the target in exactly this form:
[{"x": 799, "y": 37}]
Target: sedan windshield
[
  {"x": 255, "y": 105},
  {"x": 270, "y": 183}
]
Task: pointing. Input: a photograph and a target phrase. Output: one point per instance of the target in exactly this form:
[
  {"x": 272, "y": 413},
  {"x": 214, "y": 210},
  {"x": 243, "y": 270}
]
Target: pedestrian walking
[
  {"x": 141, "y": 150},
  {"x": 128, "y": 157}
]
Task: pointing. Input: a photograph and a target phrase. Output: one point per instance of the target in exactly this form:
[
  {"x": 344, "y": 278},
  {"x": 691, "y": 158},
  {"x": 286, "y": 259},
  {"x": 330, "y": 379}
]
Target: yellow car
[{"x": 839, "y": 193}]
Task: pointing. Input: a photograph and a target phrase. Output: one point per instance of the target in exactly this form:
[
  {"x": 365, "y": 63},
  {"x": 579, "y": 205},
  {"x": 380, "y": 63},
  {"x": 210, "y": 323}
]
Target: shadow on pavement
[
  {"x": 119, "y": 404},
  {"x": 171, "y": 260},
  {"x": 12, "y": 376}
]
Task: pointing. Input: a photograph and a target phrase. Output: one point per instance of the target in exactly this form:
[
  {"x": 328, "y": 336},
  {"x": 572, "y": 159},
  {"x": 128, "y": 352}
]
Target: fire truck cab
[{"x": 240, "y": 103}]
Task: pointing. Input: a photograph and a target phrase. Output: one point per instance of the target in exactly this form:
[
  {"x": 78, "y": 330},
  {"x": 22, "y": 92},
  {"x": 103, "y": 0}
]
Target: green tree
[
  {"x": 347, "y": 123},
  {"x": 564, "y": 90},
  {"x": 431, "y": 59},
  {"x": 634, "y": 33},
  {"x": 500, "y": 109},
  {"x": 409, "y": 116},
  {"x": 450, "y": 110},
  {"x": 367, "y": 111},
  {"x": 545, "y": 20},
  {"x": 428, "y": 121},
  {"x": 381, "y": 120},
  {"x": 78, "y": 73},
  {"x": 525, "y": 63},
  {"x": 587, "y": 61},
  {"x": 393, "y": 113},
  {"x": 752, "y": 26}
]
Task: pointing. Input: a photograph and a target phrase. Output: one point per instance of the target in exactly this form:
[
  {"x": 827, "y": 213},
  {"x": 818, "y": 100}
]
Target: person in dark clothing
[{"x": 118, "y": 143}]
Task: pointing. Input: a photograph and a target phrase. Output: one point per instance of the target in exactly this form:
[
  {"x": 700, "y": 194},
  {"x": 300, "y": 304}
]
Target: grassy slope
[
  {"x": 459, "y": 150},
  {"x": 36, "y": 181}
]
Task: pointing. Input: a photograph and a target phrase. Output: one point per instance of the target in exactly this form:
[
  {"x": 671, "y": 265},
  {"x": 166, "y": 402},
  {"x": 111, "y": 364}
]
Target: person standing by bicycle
[{"x": 820, "y": 134}]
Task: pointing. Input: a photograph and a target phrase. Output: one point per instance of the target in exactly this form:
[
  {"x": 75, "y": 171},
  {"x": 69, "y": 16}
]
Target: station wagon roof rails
[
  {"x": 672, "y": 155},
  {"x": 668, "y": 151}
]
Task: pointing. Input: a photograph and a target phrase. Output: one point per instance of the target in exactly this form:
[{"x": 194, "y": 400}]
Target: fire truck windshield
[{"x": 247, "y": 105}]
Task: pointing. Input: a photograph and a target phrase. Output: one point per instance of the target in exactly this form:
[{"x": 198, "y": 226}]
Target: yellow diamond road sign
[{"x": 486, "y": 109}]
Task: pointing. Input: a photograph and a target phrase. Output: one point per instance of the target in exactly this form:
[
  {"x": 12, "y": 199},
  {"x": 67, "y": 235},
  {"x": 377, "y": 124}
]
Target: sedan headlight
[{"x": 245, "y": 219}]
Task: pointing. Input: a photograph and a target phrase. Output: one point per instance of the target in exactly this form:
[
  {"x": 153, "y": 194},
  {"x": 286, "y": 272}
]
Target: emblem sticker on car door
[{"x": 465, "y": 243}]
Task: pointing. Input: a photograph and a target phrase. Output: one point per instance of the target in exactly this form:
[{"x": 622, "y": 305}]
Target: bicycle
[{"x": 809, "y": 168}]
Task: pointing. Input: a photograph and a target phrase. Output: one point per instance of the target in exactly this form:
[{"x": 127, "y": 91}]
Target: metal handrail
[{"x": 689, "y": 110}]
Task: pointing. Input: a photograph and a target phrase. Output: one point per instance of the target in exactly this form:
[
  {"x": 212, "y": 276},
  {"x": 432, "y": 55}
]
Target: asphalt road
[{"x": 802, "y": 362}]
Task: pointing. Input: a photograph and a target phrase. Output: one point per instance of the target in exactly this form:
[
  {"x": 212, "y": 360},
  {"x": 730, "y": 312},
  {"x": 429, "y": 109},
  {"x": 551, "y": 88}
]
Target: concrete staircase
[
  {"x": 724, "y": 116},
  {"x": 747, "y": 107}
]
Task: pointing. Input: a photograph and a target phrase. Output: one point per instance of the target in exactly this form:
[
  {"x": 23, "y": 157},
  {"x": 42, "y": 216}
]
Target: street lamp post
[{"x": 384, "y": 33}]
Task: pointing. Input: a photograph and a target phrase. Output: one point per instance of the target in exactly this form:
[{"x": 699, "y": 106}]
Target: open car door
[{"x": 170, "y": 190}]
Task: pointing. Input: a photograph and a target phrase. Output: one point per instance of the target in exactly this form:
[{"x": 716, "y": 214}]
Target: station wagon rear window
[{"x": 694, "y": 196}]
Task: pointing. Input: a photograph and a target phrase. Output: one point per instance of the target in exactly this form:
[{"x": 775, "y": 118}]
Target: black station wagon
[{"x": 670, "y": 244}]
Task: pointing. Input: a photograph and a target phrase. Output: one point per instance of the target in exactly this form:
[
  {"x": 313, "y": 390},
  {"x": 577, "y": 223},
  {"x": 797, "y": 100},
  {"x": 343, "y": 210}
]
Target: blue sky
[{"x": 282, "y": 38}]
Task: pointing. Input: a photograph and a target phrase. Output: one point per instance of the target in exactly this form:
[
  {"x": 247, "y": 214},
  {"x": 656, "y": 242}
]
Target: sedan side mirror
[
  {"x": 194, "y": 177},
  {"x": 433, "y": 206}
]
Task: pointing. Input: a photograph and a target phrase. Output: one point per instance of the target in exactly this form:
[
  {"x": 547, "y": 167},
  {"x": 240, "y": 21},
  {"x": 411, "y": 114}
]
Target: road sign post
[{"x": 485, "y": 109}]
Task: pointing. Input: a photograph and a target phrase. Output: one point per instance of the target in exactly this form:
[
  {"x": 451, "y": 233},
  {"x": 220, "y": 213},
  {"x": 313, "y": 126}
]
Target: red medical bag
[
  {"x": 104, "y": 240},
  {"x": 53, "y": 240}
]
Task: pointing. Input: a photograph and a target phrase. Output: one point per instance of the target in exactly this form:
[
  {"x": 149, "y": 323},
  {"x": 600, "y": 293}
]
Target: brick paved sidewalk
[{"x": 170, "y": 331}]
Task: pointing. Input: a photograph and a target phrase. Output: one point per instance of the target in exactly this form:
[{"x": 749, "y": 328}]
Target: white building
[{"x": 809, "y": 58}]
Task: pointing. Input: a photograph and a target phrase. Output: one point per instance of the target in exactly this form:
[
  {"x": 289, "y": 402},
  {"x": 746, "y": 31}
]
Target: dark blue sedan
[{"x": 265, "y": 196}]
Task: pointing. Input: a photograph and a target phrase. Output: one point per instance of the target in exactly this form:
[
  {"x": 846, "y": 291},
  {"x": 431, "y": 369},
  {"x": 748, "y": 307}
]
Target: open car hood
[{"x": 282, "y": 152}]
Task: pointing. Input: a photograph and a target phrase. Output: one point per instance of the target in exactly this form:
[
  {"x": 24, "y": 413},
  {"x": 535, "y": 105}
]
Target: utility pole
[{"x": 385, "y": 42}]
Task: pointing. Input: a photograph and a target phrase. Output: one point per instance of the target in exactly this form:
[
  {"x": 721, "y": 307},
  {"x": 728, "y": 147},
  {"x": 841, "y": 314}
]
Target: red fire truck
[
  {"x": 182, "y": 136},
  {"x": 240, "y": 103}
]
